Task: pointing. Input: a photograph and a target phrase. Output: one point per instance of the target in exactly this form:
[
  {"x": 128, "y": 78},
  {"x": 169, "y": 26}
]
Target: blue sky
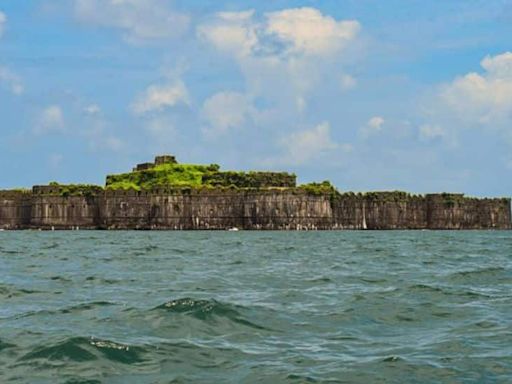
[{"x": 371, "y": 95}]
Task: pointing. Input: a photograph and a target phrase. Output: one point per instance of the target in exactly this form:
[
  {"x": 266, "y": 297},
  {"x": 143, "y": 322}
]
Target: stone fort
[{"x": 153, "y": 196}]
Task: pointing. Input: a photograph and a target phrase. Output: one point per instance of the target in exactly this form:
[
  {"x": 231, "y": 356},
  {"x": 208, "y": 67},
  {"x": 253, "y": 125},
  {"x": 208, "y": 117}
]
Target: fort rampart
[{"x": 49, "y": 207}]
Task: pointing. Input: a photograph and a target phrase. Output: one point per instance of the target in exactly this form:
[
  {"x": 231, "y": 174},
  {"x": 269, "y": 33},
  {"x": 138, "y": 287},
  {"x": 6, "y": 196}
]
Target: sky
[{"x": 369, "y": 94}]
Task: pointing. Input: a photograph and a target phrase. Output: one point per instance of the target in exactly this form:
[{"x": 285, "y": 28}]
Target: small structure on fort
[{"x": 159, "y": 160}]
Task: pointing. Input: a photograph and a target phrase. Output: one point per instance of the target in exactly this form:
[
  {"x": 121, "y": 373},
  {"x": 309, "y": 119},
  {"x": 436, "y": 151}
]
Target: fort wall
[
  {"x": 51, "y": 211},
  {"x": 269, "y": 209},
  {"x": 15, "y": 209}
]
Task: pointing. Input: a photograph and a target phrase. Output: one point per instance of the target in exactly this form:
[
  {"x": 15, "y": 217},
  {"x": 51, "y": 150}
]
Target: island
[{"x": 168, "y": 195}]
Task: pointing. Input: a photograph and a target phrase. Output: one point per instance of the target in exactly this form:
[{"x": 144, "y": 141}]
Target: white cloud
[
  {"x": 92, "y": 109},
  {"x": 303, "y": 146},
  {"x": 301, "y": 103},
  {"x": 347, "y": 82},
  {"x": 139, "y": 19},
  {"x": 8, "y": 78},
  {"x": 3, "y": 20},
  {"x": 286, "y": 33},
  {"x": 499, "y": 66},
  {"x": 431, "y": 132},
  {"x": 282, "y": 55},
  {"x": 481, "y": 101},
  {"x": 236, "y": 16},
  {"x": 160, "y": 97},
  {"x": 231, "y": 32},
  {"x": 309, "y": 32},
  {"x": 11, "y": 80},
  {"x": 372, "y": 127},
  {"x": 225, "y": 111},
  {"x": 485, "y": 98},
  {"x": 50, "y": 120},
  {"x": 282, "y": 52}
]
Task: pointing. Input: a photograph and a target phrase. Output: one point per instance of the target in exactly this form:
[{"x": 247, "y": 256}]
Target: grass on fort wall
[
  {"x": 196, "y": 176},
  {"x": 250, "y": 179},
  {"x": 86, "y": 190},
  {"x": 177, "y": 175},
  {"x": 325, "y": 187}
]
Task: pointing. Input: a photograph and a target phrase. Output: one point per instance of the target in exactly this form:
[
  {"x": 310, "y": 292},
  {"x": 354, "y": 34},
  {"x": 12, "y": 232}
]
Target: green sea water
[{"x": 256, "y": 307}]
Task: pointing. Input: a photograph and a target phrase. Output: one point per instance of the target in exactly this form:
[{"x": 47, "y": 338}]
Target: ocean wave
[
  {"x": 425, "y": 288},
  {"x": 207, "y": 310},
  {"x": 326, "y": 313},
  {"x": 67, "y": 310},
  {"x": 447, "y": 291},
  {"x": 83, "y": 381},
  {"x": 483, "y": 273},
  {"x": 86, "y": 306},
  {"x": 320, "y": 280},
  {"x": 101, "y": 280},
  {"x": 11, "y": 252},
  {"x": 51, "y": 246},
  {"x": 5, "y": 345},
  {"x": 8, "y": 291},
  {"x": 82, "y": 349},
  {"x": 392, "y": 359},
  {"x": 60, "y": 278},
  {"x": 73, "y": 348}
]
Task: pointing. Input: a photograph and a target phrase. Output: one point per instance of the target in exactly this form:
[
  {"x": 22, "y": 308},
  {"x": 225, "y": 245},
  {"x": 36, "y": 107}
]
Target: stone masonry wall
[
  {"x": 278, "y": 209},
  {"x": 15, "y": 209},
  {"x": 64, "y": 212}
]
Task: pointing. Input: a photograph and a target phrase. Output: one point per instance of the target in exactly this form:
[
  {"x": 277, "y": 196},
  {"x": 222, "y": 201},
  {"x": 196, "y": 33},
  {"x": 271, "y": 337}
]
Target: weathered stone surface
[
  {"x": 272, "y": 209},
  {"x": 165, "y": 159},
  {"x": 64, "y": 212},
  {"x": 15, "y": 209}
]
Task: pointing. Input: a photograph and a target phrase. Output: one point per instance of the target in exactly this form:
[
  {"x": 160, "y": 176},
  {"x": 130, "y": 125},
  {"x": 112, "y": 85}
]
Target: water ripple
[{"x": 89, "y": 307}]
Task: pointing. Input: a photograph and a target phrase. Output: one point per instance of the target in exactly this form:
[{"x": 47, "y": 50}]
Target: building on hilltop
[
  {"x": 165, "y": 159},
  {"x": 159, "y": 160}
]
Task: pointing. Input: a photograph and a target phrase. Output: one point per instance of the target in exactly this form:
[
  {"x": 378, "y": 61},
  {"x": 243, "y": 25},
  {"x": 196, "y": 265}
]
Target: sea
[{"x": 126, "y": 307}]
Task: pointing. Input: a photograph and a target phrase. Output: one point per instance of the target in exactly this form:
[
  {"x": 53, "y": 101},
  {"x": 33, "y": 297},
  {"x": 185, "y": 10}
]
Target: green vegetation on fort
[
  {"x": 21, "y": 190},
  {"x": 86, "y": 190},
  {"x": 176, "y": 175},
  {"x": 451, "y": 199},
  {"x": 250, "y": 179},
  {"x": 196, "y": 176},
  {"x": 326, "y": 188},
  {"x": 323, "y": 188},
  {"x": 390, "y": 196}
]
